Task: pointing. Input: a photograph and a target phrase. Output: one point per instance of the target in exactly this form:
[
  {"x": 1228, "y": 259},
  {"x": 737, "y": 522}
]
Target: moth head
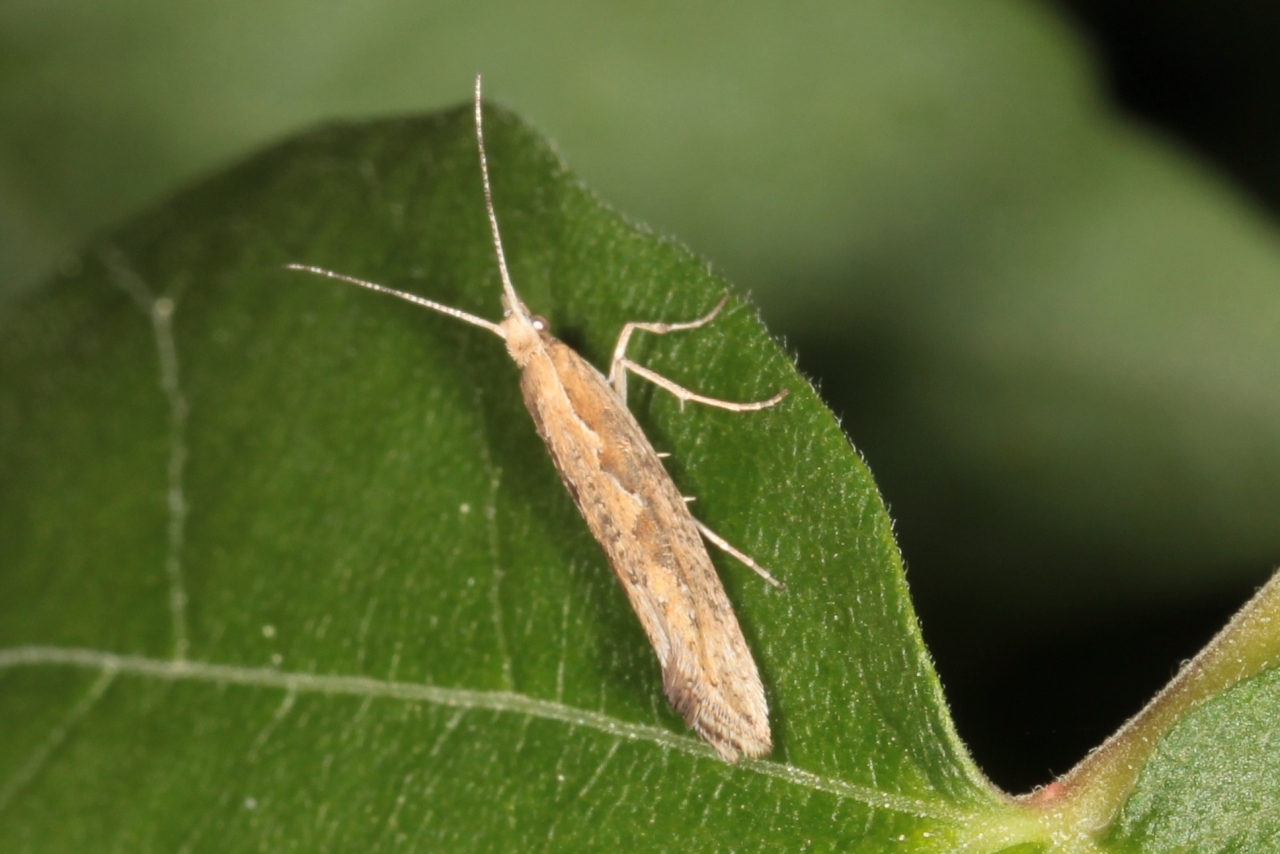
[{"x": 524, "y": 334}]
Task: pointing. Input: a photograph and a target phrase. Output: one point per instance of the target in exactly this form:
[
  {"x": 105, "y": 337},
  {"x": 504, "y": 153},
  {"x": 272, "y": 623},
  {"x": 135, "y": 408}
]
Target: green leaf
[
  {"x": 1211, "y": 787},
  {"x": 1193, "y": 771},
  {"x": 285, "y": 563}
]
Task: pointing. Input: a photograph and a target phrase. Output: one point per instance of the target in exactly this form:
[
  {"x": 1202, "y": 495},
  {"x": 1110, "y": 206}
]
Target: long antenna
[
  {"x": 512, "y": 298},
  {"x": 413, "y": 298}
]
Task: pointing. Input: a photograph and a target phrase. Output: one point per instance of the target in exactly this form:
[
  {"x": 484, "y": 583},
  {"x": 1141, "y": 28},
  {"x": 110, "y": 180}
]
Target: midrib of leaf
[{"x": 111, "y": 665}]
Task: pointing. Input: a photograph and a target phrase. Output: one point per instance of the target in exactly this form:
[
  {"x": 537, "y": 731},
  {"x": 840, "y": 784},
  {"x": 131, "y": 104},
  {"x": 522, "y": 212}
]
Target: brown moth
[{"x": 633, "y": 508}]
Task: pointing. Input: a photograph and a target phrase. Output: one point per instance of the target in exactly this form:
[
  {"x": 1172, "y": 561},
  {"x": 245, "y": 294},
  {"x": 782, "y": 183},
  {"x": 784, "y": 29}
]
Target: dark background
[{"x": 1207, "y": 74}]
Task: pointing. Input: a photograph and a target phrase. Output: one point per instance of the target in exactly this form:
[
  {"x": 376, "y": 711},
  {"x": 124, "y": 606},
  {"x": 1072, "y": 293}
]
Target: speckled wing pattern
[{"x": 637, "y": 514}]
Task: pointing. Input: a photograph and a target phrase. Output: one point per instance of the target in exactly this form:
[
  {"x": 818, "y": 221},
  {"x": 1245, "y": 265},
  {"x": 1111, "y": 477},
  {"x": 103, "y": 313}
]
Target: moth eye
[{"x": 539, "y": 323}]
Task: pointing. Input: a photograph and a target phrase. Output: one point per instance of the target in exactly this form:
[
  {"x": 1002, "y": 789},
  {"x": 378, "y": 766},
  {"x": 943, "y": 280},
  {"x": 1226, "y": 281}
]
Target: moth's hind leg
[
  {"x": 717, "y": 540},
  {"x": 621, "y": 364}
]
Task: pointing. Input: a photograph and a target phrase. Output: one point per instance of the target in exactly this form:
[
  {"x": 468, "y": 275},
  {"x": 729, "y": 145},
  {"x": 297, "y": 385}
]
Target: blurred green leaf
[{"x": 398, "y": 631}]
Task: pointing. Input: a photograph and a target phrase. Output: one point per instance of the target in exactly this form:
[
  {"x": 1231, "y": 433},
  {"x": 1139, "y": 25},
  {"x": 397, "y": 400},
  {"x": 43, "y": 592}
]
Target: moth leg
[
  {"x": 684, "y": 394},
  {"x": 618, "y": 373},
  {"x": 716, "y": 539}
]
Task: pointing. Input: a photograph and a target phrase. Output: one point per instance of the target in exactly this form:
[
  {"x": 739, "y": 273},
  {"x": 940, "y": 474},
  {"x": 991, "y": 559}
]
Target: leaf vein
[
  {"x": 160, "y": 311},
  {"x": 462, "y": 698},
  {"x": 39, "y": 757}
]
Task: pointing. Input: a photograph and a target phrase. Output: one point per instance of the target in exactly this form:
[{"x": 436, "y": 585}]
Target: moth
[{"x": 633, "y": 508}]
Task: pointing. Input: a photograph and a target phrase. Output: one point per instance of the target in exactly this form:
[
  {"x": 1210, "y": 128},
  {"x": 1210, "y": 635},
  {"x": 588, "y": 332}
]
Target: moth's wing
[{"x": 641, "y": 521}]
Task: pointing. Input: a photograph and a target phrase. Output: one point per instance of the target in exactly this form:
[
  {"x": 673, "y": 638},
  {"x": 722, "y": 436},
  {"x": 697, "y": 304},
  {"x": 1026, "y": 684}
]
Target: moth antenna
[
  {"x": 413, "y": 298},
  {"x": 509, "y": 289}
]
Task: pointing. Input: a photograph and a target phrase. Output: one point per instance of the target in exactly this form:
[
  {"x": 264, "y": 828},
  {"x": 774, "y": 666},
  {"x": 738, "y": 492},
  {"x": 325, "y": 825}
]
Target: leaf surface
[
  {"x": 1211, "y": 786},
  {"x": 287, "y": 565}
]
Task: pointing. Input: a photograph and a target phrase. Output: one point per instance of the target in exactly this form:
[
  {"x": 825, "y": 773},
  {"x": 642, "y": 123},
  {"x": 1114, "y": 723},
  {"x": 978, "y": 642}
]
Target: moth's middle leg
[
  {"x": 617, "y": 368},
  {"x": 621, "y": 364}
]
